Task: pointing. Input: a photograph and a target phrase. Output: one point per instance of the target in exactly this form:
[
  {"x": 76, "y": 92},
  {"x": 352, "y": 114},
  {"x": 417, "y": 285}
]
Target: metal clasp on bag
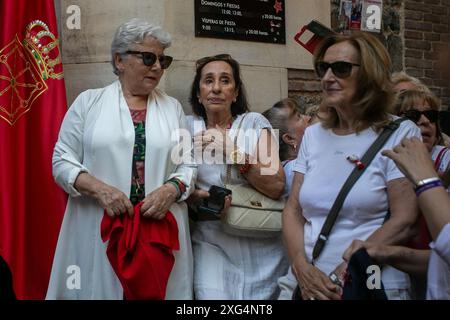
[{"x": 256, "y": 204}]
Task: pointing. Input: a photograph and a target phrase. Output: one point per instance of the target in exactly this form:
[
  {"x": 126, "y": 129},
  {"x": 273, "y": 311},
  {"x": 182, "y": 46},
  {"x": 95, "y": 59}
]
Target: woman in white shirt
[{"x": 357, "y": 95}]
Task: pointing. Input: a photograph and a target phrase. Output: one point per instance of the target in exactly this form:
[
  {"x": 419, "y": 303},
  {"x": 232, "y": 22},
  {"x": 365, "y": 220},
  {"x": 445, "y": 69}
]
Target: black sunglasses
[
  {"x": 149, "y": 58},
  {"x": 341, "y": 69},
  {"x": 414, "y": 115}
]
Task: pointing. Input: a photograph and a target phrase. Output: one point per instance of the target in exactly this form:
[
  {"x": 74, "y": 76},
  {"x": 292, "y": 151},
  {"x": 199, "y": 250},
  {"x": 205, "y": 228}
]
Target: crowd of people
[{"x": 114, "y": 158}]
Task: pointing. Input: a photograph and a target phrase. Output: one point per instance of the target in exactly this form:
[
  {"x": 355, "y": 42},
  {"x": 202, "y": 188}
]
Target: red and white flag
[{"x": 32, "y": 106}]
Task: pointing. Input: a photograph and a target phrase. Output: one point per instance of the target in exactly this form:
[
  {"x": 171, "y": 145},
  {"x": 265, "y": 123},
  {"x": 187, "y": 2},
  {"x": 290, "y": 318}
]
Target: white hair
[{"x": 133, "y": 32}]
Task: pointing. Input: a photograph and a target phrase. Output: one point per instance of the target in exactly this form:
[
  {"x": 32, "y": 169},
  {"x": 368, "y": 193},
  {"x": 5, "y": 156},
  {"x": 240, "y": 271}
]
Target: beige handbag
[{"x": 252, "y": 214}]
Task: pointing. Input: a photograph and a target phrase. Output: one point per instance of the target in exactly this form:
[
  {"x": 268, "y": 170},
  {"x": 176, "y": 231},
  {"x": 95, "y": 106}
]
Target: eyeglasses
[
  {"x": 149, "y": 58},
  {"x": 220, "y": 57},
  {"x": 341, "y": 69},
  {"x": 414, "y": 115}
]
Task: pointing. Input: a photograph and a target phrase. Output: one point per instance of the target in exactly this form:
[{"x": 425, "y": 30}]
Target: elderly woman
[
  {"x": 285, "y": 117},
  {"x": 226, "y": 266},
  {"x": 113, "y": 152},
  {"x": 423, "y": 109},
  {"x": 354, "y": 72}
]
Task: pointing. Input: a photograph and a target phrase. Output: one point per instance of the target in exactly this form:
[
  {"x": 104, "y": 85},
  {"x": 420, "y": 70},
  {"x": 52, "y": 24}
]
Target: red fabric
[
  {"x": 140, "y": 252},
  {"x": 31, "y": 111}
]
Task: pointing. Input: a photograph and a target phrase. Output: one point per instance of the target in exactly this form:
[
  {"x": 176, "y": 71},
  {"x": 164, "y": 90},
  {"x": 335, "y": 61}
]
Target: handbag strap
[
  {"x": 351, "y": 180},
  {"x": 228, "y": 177}
]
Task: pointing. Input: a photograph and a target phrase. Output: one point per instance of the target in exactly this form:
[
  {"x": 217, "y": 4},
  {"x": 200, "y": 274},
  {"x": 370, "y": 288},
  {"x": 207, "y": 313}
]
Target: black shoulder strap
[{"x": 354, "y": 176}]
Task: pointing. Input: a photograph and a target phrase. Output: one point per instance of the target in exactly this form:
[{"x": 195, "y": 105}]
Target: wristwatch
[{"x": 237, "y": 156}]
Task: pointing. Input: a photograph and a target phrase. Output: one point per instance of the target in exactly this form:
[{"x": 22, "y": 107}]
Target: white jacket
[{"x": 97, "y": 136}]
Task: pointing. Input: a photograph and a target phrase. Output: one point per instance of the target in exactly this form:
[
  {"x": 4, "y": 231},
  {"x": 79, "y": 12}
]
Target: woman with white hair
[{"x": 113, "y": 152}]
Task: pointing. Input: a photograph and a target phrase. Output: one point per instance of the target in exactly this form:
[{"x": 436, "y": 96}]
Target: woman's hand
[
  {"x": 114, "y": 201},
  {"x": 196, "y": 197},
  {"x": 215, "y": 139},
  {"x": 413, "y": 159},
  {"x": 378, "y": 252},
  {"x": 227, "y": 205},
  {"x": 314, "y": 284},
  {"x": 337, "y": 276},
  {"x": 157, "y": 203}
]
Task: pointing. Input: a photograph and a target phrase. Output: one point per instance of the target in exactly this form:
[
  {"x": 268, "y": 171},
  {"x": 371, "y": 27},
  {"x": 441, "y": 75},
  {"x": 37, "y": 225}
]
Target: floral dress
[{"x": 137, "y": 192}]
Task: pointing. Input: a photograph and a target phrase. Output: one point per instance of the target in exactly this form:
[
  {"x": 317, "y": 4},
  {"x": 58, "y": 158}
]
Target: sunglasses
[
  {"x": 341, "y": 69},
  {"x": 149, "y": 58},
  {"x": 414, "y": 115},
  {"x": 220, "y": 57}
]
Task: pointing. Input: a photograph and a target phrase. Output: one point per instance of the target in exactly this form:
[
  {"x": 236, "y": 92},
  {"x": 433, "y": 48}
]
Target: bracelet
[
  {"x": 425, "y": 181},
  {"x": 244, "y": 169},
  {"x": 176, "y": 187},
  {"x": 428, "y": 185},
  {"x": 179, "y": 185}
]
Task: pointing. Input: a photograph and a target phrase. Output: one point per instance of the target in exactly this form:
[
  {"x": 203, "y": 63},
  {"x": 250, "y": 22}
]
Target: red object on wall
[
  {"x": 318, "y": 30},
  {"x": 32, "y": 106}
]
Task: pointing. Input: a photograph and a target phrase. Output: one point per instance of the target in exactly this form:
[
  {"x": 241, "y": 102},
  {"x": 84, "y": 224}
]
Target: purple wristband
[{"x": 429, "y": 185}]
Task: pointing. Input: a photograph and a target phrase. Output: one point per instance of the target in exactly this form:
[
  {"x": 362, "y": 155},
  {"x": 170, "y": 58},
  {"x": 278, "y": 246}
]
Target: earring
[{"x": 295, "y": 147}]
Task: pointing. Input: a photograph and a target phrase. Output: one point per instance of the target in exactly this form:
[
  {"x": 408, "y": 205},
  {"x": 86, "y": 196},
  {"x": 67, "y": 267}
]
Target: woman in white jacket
[{"x": 114, "y": 151}]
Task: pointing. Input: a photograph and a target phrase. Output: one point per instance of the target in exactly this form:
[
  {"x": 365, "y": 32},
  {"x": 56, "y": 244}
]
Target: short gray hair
[{"x": 135, "y": 31}]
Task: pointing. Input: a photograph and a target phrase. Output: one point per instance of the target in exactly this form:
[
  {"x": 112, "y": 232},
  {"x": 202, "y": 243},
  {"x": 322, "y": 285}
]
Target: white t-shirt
[
  {"x": 323, "y": 161},
  {"x": 288, "y": 167},
  {"x": 444, "y": 161},
  {"x": 438, "y": 281}
]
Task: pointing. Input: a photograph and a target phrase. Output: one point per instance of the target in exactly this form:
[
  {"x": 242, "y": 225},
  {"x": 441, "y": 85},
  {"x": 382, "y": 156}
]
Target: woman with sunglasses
[
  {"x": 226, "y": 266},
  {"x": 357, "y": 96},
  {"x": 423, "y": 109},
  {"x": 113, "y": 153}
]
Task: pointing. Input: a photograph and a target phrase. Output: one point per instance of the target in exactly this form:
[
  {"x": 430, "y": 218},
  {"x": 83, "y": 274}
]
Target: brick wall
[
  {"x": 414, "y": 32},
  {"x": 426, "y": 29}
]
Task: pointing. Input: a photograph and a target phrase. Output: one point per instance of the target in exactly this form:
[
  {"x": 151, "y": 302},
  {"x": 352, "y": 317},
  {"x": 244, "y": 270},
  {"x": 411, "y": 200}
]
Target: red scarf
[{"x": 140, "y": 252}]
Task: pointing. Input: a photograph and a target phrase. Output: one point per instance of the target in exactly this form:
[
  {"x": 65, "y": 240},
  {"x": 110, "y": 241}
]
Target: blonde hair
[
  {"x": 374, "y": 96},
  {"x": 399, "y": 77}
]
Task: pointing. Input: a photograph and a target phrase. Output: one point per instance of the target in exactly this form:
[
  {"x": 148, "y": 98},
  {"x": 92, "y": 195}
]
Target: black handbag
[{"x": 351, "y": 180}]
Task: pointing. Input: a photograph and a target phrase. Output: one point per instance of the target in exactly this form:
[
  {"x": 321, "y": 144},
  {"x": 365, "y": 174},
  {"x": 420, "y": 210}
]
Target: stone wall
[
  {"x": 86, "y": 51},
  {"x": 414, "y": 32}
]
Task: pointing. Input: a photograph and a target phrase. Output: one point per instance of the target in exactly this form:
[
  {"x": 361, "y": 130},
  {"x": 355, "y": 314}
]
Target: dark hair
[
  {"x": 374, "y": 97},
  {"x": 238, "y": 107}
]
